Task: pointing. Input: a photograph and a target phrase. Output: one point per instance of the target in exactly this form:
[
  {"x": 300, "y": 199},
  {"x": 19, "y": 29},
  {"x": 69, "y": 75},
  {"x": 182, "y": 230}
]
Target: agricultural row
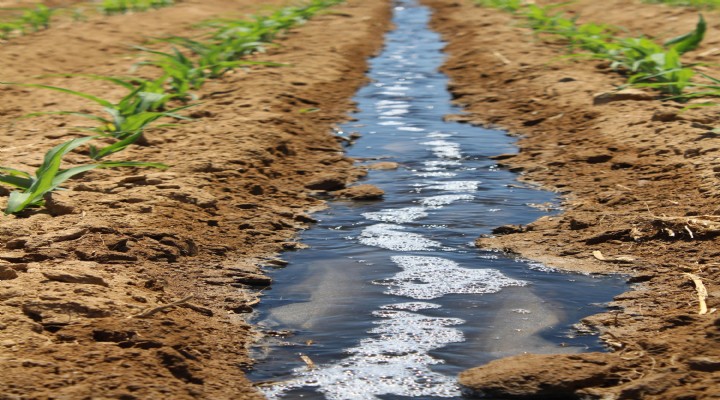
[
  {"x": 40, "y": 17},
  {"x": 223, "y": 46},
  {"x": 684, "y": 3},
  {"x": 645, "y": 62}
]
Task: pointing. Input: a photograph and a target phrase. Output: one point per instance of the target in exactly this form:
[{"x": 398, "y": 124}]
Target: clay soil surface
[
  {"x": 639, "y": 180},
  {"x": 133, "y": 283},
  {"x": 84, "y": 282}
]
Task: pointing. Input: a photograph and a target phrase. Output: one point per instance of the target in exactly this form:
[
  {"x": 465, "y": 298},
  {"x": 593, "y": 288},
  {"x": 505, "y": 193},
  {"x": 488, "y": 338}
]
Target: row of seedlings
[
  {"x": 125, "y": 122},
  {"x": 39, "y": 18}
]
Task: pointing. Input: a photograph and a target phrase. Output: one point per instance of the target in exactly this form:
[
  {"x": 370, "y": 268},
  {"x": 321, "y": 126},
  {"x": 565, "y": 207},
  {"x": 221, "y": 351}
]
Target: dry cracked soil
[{"x": 134, "y": 283}]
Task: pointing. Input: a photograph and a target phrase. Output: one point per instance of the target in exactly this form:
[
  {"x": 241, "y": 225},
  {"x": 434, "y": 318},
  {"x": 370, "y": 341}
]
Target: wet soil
[
  {"x": 640, "y": 187},
  {"x": 83, "y": 284}
]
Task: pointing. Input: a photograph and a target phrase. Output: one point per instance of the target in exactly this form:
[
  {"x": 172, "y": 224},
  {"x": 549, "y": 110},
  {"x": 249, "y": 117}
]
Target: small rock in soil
[
  {"x": 707, "y": 364},
  {"x": 58, "y": 204},
  {"x": 327, "y": 182},
  {"x": 622, "y": 95},
  {"x": 361, "y": 192},
  {"x": 75, "y": 277},
  {"x": 504, "y": 156},
  {"x": 508, "y": 229},
  {"x": 576, "y": 224},
  {"x": 7, "y": 273},
  {"x": 531, "y": 376},
  {"x": 387, "y": 165},
  {"x": 665, "y": 116},
  {"x": 253, "y": 280}
]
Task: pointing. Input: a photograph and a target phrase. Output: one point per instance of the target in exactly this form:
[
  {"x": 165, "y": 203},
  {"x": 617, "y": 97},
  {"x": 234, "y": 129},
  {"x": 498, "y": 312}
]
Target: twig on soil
[
  {"x": 501, "y": 58},
  {"x": 308, "y": 361},
  {"x": 701, "y": 292},
  {"x": 152, "y": 311},
  {"x": 690, "y": 232}
]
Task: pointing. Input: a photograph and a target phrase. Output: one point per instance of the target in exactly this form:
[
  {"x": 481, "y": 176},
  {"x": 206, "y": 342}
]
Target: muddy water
[{"x": 392, "y": 300}]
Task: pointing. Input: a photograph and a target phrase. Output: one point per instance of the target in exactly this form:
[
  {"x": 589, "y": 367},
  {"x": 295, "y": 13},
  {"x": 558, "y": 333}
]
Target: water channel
[{"x": 392, "y": 300}]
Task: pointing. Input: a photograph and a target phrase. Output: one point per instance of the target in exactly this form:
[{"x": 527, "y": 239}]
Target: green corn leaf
[
  {"x": 148, "y": 100},
  {"x": 16, "y": 181},
  {"x": 44, "y": 177},
  {"x": 16, "y": 178},
  {"x": 120, "y": 145},
  {"x": 78, "y": 114},
  {"x": 122, "y": 81},
  {"x": 689, "y": 41},
  {"x": 710, "y": 78},
  {"x": 98, "y": 100}
]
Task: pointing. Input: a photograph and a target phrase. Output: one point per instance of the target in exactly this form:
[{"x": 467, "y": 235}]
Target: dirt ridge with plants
[
  {"x": 133, "y": 284},
  {"x": 639, "y": 183}
]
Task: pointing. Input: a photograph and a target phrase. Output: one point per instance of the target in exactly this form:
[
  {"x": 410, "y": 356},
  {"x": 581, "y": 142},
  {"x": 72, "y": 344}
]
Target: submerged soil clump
[
  {"x": 133, "y": 283},
  {"x": 639, "y": 181}
]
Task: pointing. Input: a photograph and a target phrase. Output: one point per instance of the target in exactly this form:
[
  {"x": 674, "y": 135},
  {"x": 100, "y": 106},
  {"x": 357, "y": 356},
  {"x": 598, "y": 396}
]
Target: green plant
[
  {"x": 506, "y": 5},
  {"x": 645, "y": 61},
  {"x": 9, "y": 28},
  {"x": 49, "y": 176},
  {"x": 185, "y": 74},
  {"x": 693, "y": 3},
  {"x": 37, "y": 18},
  {"x": 110, "y": 7},
  {"x": 128, "y": 119}
]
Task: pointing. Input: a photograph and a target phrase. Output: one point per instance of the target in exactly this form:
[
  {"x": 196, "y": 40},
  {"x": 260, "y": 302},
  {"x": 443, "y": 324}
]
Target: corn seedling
[
  {"x": 111, "y": 7},
  {"x": 10, "y": 28},
  {"x": 264, "y": 29},
  {"x": 49, "y": 176},
  {"x": 685, "y": 3},
  {"x": 644, "y": 60},
  {"x": 127, "y": 120},
  {"x": 37, "y": 18},
  {"x": 185, "y": 74},
  {"x": 505, "y": 5}
]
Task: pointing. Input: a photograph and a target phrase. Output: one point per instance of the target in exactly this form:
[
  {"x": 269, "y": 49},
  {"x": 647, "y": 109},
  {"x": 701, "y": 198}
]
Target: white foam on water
[
  {"x": 436, "y": 134},
  {"x": 394, "y": 360},
  {"x": 456, "y": 186},
  {"x": 425, "y": 278},
  {"x": 442, "y": 163},
  {"x": 381, "y": 103},
  {"x": 393, "y": 93},
  {"x": 411, "y": 306},
  {"x": 389, "y": 73},
  {"x": 395, "y": 111},
  {"x": 436, "y": 174},
  {"x": 445, "y": 199},
  {"x": 541, "y": 267},
  {"x": 410, "y": 129},
  {"x": 398, "y": 215},
  {"x": 394, "y": 237},
  {"x": 444, "y": 149},
  {"x": 392, "y": 105},
  {"x": 391, "y": 123}
]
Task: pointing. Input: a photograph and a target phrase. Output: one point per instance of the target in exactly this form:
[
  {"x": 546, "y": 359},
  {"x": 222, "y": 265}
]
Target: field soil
[
  {"x": 133, "y": 283},
  {"x": 639, "y": 181}
]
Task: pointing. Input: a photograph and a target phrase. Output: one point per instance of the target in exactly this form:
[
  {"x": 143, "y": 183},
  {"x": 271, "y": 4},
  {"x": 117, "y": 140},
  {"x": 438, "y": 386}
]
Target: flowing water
[{"x": 393, "y": 300}]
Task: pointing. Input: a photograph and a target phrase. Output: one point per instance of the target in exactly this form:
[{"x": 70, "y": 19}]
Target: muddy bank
[
  {"x": 82, "y": 286},
  {"x": 640, "y": 186}
]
